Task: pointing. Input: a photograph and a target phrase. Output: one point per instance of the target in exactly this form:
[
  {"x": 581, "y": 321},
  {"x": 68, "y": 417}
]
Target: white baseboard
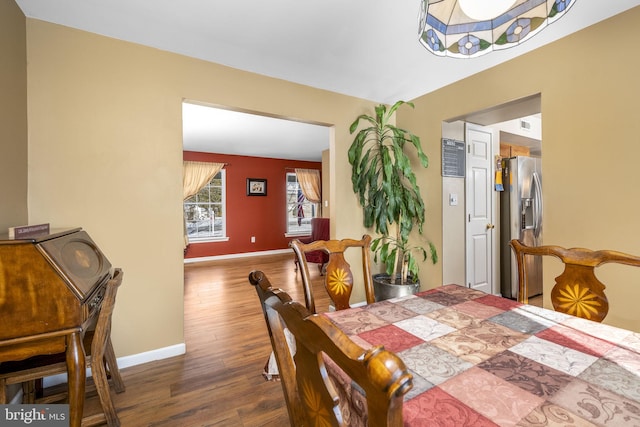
[
  {"x": 242, "y": 255},
  {"x": 150, "y": 356},
  {"x": 127, "y": 361}
]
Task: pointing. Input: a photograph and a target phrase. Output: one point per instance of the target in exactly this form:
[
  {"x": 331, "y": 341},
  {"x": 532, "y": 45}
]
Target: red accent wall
[{"x": 259, "y": 216}]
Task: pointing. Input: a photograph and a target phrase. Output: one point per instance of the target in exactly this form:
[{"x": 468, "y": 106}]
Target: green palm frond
[{"x": 387, "y": 188}]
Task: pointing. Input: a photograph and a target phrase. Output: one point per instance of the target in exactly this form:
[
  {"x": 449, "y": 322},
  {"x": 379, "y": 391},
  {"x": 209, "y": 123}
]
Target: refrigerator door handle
[{"x": 537, "y": 202}]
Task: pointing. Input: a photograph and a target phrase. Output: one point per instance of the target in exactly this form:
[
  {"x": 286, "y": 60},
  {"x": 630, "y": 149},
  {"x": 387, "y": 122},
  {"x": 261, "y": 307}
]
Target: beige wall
[
  {"x": 13, "y": 116},
  {"x": 326, "y": 184},
  {"x": 590, "y": 134},
  {"x": 105, "y": 153},
  {"x": 453, "y": 217}
]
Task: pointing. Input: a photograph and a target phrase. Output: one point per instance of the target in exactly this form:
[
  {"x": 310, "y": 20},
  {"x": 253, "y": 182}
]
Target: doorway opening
[
  {"x": 253, "y": 147},
  {"x": 514, "y": 129}
]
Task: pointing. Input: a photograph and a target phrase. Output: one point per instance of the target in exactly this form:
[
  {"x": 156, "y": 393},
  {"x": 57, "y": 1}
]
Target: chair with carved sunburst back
[
  {"x": 577, "y": 290},
  {"x": 328, "y": 379},
  {"x": 338, "y": 278}
]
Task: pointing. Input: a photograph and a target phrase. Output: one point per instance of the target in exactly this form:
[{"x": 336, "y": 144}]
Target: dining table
[{"x": 484, "y": 360}]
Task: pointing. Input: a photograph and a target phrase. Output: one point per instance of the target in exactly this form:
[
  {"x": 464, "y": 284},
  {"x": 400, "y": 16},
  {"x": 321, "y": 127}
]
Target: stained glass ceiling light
[{"x": 470, "y": 28}]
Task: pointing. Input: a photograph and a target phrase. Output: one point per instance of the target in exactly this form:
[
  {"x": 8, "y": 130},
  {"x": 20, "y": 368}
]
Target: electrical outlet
[{"x": 253, "y": 239}]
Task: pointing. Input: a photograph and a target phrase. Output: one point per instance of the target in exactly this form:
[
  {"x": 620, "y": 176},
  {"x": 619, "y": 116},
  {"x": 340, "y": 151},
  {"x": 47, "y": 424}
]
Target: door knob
[{"x": 490, "y": 226}]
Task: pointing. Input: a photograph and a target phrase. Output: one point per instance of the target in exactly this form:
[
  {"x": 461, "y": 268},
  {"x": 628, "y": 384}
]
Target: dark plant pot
[{"x": 384, "y": 289}]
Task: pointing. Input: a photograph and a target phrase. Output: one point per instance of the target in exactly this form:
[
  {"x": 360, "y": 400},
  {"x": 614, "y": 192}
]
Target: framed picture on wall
[{"x": 256, "y": 187}]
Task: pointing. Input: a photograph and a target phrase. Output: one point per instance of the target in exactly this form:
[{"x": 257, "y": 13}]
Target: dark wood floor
[{"x": 218, "y": 382}]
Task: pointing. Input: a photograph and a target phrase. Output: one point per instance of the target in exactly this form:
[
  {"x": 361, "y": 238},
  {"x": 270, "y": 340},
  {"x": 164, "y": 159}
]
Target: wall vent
[{"x": 525, "y": 125}]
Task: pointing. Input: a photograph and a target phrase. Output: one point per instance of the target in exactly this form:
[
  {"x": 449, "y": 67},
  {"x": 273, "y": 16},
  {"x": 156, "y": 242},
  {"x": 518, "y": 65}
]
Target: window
[
  {"x": 299, "y": 209},
  {"x": 205, "y": 212}
]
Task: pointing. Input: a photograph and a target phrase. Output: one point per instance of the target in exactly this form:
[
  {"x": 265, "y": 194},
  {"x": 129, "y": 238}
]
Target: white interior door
[{"x": 480, "y": 229}]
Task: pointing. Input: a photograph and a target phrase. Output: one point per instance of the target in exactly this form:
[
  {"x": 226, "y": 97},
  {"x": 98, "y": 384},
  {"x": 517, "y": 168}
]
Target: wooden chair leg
[
  {"x": 29, "y": 391},
  {"x": 3, "y": 391},
  {"x": 322, "y": 268},
  {"x": 99, "y": 375},
  {"x": 112, "y": 365},
  {"x": 38, "y": 388}
]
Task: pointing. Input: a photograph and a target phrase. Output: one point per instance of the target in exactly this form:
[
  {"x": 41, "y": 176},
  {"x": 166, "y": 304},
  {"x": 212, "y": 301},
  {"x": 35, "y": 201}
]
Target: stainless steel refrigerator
[{"x": 520, "y": 218}]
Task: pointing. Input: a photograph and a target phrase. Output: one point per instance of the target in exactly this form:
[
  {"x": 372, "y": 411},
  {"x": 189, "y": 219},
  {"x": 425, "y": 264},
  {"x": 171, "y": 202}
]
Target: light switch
[{"x": 453, "y": 199}]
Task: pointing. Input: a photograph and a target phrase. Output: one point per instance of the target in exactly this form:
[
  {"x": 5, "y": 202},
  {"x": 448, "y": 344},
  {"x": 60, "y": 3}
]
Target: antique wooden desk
[
  {"x": 483, "y": 360},
  {"x": 51, "y": 289}
]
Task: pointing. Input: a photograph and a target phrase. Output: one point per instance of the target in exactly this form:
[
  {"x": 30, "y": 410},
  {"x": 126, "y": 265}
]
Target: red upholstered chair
[{"x": 319, "y": 231}]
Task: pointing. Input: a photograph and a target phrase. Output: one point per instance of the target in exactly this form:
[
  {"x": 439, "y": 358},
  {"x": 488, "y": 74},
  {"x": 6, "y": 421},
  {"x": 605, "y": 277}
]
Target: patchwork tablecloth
[{"x": 482, "y": 360}]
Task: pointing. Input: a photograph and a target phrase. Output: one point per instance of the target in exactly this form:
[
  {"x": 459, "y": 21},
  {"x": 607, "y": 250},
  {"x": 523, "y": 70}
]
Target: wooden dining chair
[
  {"x": 100, "y": 355},
  {"x": 338, "y": 278},
  {"x": 577, "y": 290},
  {"x": 312, "y": 398}
]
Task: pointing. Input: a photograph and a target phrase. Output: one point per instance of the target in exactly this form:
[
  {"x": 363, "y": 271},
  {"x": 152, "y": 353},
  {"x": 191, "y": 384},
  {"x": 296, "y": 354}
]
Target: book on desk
[{"x": 28, "y": 231}]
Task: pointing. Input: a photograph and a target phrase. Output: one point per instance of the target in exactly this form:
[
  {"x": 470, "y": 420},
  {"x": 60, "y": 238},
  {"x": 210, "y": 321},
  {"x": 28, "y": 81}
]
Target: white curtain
[{"x": 196, "y": 175}]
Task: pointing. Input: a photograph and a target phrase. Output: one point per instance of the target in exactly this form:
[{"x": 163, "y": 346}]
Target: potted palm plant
[{"x": 387, "y": 190}]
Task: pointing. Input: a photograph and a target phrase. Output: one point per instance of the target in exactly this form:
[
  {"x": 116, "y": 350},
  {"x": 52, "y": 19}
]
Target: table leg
[{"x": 76, "y": 370}]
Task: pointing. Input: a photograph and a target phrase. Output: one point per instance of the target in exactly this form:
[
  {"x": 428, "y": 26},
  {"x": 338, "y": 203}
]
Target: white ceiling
[
  {"x": 221, "y": 131},
  {"x": 363, "y": 48}
]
